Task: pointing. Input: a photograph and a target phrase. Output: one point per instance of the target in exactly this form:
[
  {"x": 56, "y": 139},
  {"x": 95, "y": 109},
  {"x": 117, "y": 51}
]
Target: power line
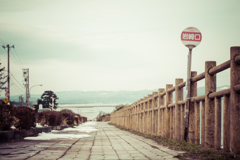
[
  {"x": 3, "y": 41},
  {"x": 18, "y": 57},
  {"x": 16, "y": 80},
  {"x": 18, "y": 89},
  {"x": 15, "y": 60}
]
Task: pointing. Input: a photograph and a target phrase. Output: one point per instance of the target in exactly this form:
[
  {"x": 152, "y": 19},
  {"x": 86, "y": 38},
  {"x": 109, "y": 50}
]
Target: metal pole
[
  {"x": 188, "y": 92},
  {"x": 8, "y": 74}
]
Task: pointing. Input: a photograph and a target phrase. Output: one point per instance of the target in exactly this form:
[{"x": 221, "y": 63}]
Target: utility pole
[
  {"x": 21, "y": 100},
  {"x": 26, "y": 83},
  {"x": 8, "y": 47}
]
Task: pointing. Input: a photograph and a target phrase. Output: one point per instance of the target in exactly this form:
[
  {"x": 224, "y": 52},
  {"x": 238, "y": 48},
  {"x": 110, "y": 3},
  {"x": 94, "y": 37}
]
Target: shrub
[
  {"x": 118, "y": 107},
  {"x": 68, "y": 115},
  {"x": 26, "y": 118},
  {"x": 101, "y": 115},
  {"x": 55, "y": 118},
  {"x": 7, "y": 116},
  {"x": 51, "y": 118}
]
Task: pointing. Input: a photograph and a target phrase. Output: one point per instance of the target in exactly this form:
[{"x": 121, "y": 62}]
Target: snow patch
[
  {"x": 38, "y": 125},
  {"x": 50, "y": 136},
  {"x": 85, "y": 127}
]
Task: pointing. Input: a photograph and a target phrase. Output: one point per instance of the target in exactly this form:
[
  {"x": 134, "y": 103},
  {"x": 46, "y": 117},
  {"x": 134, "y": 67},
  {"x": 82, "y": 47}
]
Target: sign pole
[
  {"x": 190, "y": 37},
  {"x": 188, "y": 88}
]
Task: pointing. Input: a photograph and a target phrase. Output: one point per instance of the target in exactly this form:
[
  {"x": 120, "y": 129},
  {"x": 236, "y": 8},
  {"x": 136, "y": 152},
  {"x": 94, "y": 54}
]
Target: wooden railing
[{"x": 157, "y": 114}]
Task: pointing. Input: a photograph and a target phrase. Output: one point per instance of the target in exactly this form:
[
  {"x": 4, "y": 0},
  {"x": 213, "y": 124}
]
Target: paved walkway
[{"x": 107, "y": 142}]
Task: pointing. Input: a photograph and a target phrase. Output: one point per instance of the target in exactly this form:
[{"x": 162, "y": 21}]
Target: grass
[{"x": 193, "y": 151}]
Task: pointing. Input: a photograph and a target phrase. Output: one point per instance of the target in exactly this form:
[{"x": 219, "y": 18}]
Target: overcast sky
[{"x": 113, "y": 45}]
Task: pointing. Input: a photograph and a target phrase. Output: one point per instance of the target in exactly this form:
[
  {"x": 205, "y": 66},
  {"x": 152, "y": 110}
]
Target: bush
[
  {"x": 7, "y": 116},
  {"x": 26, "y": 118},
  {"x": 56, "y": 118},
  {"x": 51, "y": 118},
  {"x": 120, "y": 106},
  {"x": 70, "y": 117},
  {"x": 101, "y": 115}
]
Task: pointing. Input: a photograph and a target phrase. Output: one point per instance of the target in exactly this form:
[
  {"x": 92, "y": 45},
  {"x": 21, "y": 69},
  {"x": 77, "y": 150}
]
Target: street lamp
[{"x": 32, "y": 87}]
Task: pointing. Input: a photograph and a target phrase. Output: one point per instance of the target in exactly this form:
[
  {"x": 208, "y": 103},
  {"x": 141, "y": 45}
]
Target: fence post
[
  {"x": 182, "y": 107},
  {"x": 193, "y": 93},
  {"x": 197, "y": 122},
  {"x": 148, "y": 115},
  {"x": 138, "y": 115},
  {"x": 202, "y": 123},
  {"x": 235, "y": 100},
  {"x": 153, "y": 114},
  {"x": 226, "y": 123},
  {"x": 145, "y": 115},
  {"x": 217, "y": 130},
  {"x": 141, "y": 116},
  {"x": 210, "y": 87},
  {"x": 178, "y": 97},
  {"x": 167, "y": 112},
  {"x": 160, "y": 113}
]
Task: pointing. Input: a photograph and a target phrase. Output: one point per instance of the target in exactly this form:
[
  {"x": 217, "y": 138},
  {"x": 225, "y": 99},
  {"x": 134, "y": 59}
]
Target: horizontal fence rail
[{"x": 157, "y": 114}]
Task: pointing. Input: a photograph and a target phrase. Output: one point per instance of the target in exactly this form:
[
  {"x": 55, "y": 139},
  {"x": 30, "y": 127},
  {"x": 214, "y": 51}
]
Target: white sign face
[
  {"x": 191, "y": 36},
  {"x": 40, "y": 106}
]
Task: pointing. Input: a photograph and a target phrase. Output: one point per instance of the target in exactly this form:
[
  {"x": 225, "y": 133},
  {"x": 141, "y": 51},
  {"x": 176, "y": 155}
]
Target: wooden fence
[{"x": 157, "y": 114}]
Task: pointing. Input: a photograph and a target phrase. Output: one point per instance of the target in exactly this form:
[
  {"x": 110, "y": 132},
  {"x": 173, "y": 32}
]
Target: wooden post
[
  {"x": 141, "y": 109},
  {"x": 197, "y": 122},
  {"x": 193, "y": 93},
  {"x": 144, "y": 116},
  {"x": 202, "y": 123},
  {"x": 167, "y": 112},
  {"x": 210, "y": 87},
  {"x": 217, "y": 130},
  {"x": 226, "y": 123},
  {"x": 171, "y": 122},
  {"x": 153, "y": 113},
  {"x": 182, "y": 121},
  {"x": 149, "y": 116},
  {"x": 178, "y": 97},
  {"x": 139, "y": 115},
  {"x": 160, "y": 113},
  {"x": 235, "y": 101}
]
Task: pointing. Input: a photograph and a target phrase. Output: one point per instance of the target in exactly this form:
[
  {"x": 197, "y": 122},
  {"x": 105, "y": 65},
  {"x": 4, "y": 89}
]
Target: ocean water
[{"x": 90, "y": 112}]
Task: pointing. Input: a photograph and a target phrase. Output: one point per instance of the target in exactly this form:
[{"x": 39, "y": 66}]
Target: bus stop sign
[{"x": 191, "y": 36}]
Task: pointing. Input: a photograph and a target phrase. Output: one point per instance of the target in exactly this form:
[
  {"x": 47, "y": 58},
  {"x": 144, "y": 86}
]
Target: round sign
[
  {"x": 191, "y": 36},
  {"x": 6, "y": 89},
  {"x": 7, "y": 94},
  {"x": 27, "y": 104}
]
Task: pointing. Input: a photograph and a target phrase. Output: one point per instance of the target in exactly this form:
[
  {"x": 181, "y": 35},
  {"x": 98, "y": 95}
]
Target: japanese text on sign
[{"x": 191, "y": 36}]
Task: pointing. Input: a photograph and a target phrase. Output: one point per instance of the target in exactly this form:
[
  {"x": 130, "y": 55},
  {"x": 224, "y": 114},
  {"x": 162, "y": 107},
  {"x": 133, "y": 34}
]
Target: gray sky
[{"x": 113, "y": 45}]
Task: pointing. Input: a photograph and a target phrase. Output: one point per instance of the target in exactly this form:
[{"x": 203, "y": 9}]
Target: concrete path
[{"x": 107, "y": 142}]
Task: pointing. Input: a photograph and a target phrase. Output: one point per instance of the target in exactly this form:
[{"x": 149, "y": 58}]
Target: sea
[{"x": 91, "y": 111}]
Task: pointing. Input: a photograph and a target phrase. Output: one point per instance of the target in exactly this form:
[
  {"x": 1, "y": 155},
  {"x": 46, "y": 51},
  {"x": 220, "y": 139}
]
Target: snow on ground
[
  {"x": 85, "y": 127},
  {"x": 38, "y": 125},
  {"x": 50, "y": 136}
]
